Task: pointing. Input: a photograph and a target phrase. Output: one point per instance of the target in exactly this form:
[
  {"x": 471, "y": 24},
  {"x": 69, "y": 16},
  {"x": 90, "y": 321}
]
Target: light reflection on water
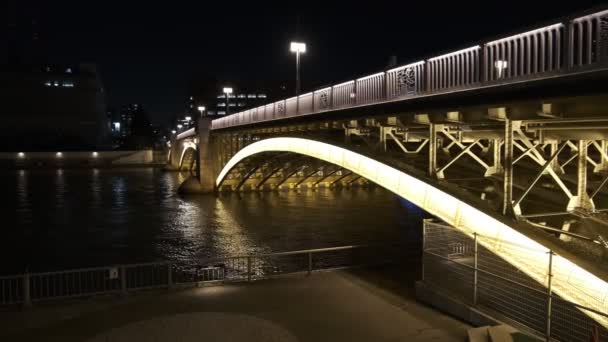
[{"x": 57, "y": 219}]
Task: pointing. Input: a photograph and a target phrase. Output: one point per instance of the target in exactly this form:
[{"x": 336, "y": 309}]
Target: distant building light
[
  {"x": 188, "y": 118},
  {"x": 500, "y": 66},
  {"x": 48, "y": 69},
  {"x": 191, "y": 105},
  {"x": 227, "y": 90},
  {"x": 95, "y": 154},
  {"x": 68, "y": 84},
  {"x": 211, "y": 112},
  {"x": 242, "y": 96},
  {"x": 68, "y": 70},
  {"x": 191, "y": 98},
  {"x": 47, "y": 83},
  {"x": 173, "y": 131},
  {"x": 261, "y": 96},
  {"x": 21, "y": 155},
  {"x": 221, "y": 104},
  {"x": 221, "y": 113},
  {"x": 179, "y": 126},
  {"x": 241, "y": 104},
  {"x": 59, "y": 154},
  {"x": 56, "y": 84},
  {"x": 117, "y": 126},
  {"x": 232, "y": 104},
  {"x": 251, "y": 96},
  {"x": 221, "y": 96}
]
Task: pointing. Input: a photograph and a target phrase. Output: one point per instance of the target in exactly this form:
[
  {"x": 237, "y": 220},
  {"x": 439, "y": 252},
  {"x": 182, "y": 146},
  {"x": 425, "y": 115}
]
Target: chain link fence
[{"x": 462, "y": 267}]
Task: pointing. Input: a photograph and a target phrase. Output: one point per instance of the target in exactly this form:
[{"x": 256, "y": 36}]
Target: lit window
[
  {"x": 241, "y": 104},
  {"x": 191, "y": 98},
  {"x": 262, "y": 96},
  {"x": 221, "y": 113},
  {"x": 242, "y": 96},
  {"x": 211, "y": 112},
  {"x": 59, "y": 154},
  {"x": 56, "y": 84},
  {"x": 68, "y": 84},
  {"x": 68, "y": 70},
  {"x": 232, "y": 96},
  {"x": 48, "y": 69},
  {"x": 233, "y": 105},
  {"x": 191, "y": 105},
  {"x": 251, "y": 96},
  {"x": 221, "y": 105},
  {"x": 221, "y": 96},
  {"x": 47, "y": 83}
]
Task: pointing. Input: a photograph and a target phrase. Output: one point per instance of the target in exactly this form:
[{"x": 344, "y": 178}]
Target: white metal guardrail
[
  {"x": 459, "y": 265},
  {"x": 576, "y": 44},
  {"x": 32, "y": 287}
]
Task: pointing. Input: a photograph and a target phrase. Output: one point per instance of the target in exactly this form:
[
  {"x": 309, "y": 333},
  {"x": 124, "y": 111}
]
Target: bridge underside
[{"x": 531, "y": 173}]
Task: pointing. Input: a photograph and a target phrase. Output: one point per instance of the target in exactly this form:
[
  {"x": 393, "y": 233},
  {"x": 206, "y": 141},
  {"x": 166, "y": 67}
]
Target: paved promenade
[{"x": 350, "y": 305}]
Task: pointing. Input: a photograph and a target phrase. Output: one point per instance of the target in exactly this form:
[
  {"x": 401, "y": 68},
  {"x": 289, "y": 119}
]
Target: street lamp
[
  {"x": 298, "y": 48},
  {"x": 201, "y": 109},
  {"x": 227, "y": 91}
]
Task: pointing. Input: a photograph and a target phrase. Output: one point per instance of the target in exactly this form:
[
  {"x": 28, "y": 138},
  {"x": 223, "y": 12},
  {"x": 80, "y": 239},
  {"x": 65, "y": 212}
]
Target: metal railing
[
  {"x": 575, "y": 44},
  {"x": 31, "y": 287},
  {"x": 459, "y": 265}
]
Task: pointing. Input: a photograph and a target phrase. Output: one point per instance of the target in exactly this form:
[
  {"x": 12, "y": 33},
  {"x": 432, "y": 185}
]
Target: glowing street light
[
  {"x": 201, "y": 109},
  {"x": 297, "y": 48},
  {"x": 95, "y": 154},
  {"x": 188, "y": 118},
  {"x": 58, "y": 154},
  {"x": 179, "y": 126},
  {"x": 173, "y": 131},
  {"x": 227, "y": 91},
  {"x": 21, "y": 155}
]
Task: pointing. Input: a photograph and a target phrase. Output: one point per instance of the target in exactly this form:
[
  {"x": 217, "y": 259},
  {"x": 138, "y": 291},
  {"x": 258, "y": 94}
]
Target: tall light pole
[
  {"x": 298, "y": 48},
  {"x": 227, "y": 91},
  {"x": 201, "y": 109}
]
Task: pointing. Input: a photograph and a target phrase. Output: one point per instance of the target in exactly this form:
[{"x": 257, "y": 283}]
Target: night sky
[{"x": 148, "y": 51}]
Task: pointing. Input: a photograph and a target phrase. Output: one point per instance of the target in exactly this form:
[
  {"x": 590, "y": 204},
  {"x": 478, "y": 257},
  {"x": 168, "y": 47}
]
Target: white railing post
[
  {"x": 309, "y": 263},
  {"x": 475, "y": 273},
  {"x": 169, "y": 276},
  {"x": 549, "y": 297},
  {"x": 27, "y": 296},
  {"x": 248, "y": 268},
  {"x": 123, "y": 280}
]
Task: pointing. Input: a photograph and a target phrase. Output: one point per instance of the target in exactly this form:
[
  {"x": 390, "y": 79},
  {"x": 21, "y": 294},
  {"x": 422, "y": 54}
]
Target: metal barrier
[
  {"x": 31, "y": 287},
  {"x": 559, "y": 49},
  {"x": 460, "y": 265}
]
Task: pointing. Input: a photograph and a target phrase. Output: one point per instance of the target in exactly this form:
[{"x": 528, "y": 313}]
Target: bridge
[{"x": 505, "y": 138}]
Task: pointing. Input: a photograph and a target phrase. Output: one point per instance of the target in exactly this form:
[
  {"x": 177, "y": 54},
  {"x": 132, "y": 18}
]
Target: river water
[{"x": 59, "y": 219}]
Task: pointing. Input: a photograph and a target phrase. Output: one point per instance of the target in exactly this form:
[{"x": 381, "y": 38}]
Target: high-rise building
[{"x": 48, "y": 107}]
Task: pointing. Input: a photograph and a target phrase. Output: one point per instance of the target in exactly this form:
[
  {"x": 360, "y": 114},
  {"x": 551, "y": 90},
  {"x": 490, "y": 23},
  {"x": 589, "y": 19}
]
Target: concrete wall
[{"x": 91, "y": 158}]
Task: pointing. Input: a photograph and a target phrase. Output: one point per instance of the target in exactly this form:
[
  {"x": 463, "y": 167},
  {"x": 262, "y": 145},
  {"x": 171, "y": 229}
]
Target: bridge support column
[
  {"x": 496, "y": 168},
  {"x": 207, "y": 166},
  {"x": 582, "y": 199},
  {"x": 432, "y": 150},
  {"x": 507, "y": 206}
]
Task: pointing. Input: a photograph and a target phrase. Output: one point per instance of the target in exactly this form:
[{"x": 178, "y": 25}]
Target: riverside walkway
[{"x": 345, "y": 305}]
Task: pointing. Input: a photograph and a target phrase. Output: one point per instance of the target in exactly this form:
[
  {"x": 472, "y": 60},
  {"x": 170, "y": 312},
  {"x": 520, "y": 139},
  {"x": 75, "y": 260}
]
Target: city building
[
  {"x": 47, "y": 107},
  {"x": 208, "y": 92}
]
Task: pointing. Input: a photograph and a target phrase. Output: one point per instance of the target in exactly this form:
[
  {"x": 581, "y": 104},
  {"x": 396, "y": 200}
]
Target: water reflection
[{"x": 80, "y": 218}]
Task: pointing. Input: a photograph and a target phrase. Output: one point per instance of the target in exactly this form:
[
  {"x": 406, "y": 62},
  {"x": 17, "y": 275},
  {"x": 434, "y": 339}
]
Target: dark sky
[{"x": 147, "y": 51}]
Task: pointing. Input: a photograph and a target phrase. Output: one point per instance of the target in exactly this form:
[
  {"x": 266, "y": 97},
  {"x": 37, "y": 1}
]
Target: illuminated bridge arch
[
  {"x": 187, "y": 147},
  {"x": 530, "y": 256}
]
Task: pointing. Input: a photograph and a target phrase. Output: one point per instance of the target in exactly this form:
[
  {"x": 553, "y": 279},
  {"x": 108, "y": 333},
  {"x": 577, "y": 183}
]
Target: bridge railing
[
  {"x": 557, "y": 49},
  {"x": 32, "y": 287}
]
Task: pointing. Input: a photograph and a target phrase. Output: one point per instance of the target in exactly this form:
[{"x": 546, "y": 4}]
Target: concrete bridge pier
[{"x": 203, "y": 181}]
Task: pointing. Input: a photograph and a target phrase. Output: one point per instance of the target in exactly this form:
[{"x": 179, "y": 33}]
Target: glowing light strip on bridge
[
  {"x": 411, "y": 65},
  {"x": 569, "y": 281},
  {"x": 186, "y": 134},
  {"x": 525, "y": 34},
  {"x": 472, "y": 48}
]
